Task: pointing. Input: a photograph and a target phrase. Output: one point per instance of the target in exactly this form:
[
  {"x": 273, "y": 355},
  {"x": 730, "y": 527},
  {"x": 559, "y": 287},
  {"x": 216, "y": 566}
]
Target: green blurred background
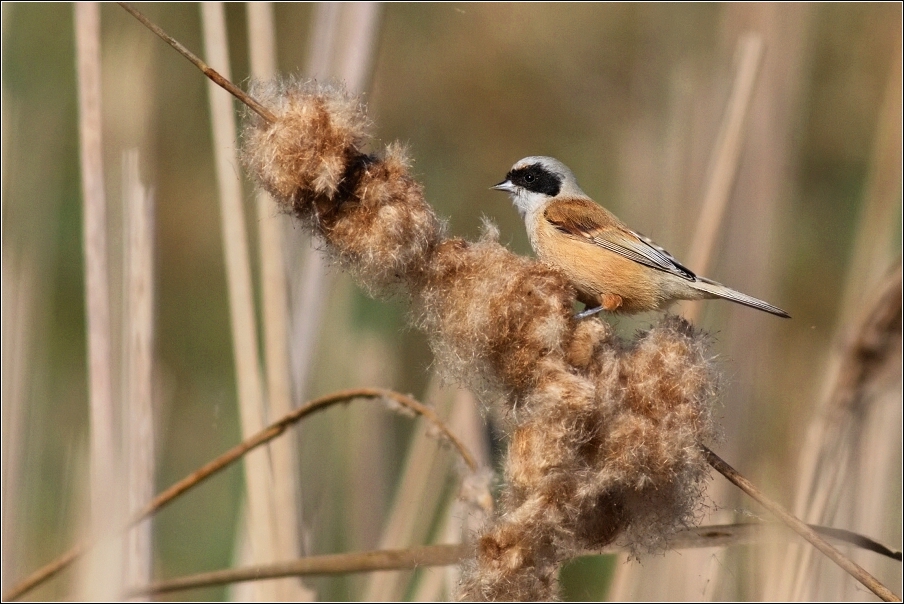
[{"x": 629, "y": 96}]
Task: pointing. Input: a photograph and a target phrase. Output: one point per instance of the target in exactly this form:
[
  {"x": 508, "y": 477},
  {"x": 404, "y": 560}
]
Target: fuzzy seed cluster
[{"x": 603, "y": 433}]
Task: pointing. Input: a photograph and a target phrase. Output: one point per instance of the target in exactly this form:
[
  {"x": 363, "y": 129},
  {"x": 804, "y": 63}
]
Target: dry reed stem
[
  {"x": 403, "y": 559},
  {"x": 97, "y": 288},
  {"x": 434, "y": 555},
  {"x": 725, "y": 160},
  {"x": 138, "y": 333},
  {"x": 102, "y": 576},
  {"x": 275, "y": 320},
  {"x": 211, "y": 73},
  {"x": 800, "y": 528},
  {"x": 262, "y": 522},
  {"x": 264, "y": 436}
]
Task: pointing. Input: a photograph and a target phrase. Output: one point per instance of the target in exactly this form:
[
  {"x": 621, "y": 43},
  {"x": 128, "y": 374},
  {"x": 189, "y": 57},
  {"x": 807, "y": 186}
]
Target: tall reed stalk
[
  {"x": 138, "y": 353},
  {"x": 275, "y": 314},
  {"x": 262, "y": 525},
  {"x": 102, "y": 577}
]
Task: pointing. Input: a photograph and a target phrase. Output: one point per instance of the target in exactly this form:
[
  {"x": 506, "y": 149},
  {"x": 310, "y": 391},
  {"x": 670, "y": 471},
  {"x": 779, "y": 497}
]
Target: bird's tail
[{"x": 717, "y": 290}]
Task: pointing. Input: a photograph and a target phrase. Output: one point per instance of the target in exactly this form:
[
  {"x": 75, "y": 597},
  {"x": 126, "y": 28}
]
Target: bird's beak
[{"x": 505, "y": 185}]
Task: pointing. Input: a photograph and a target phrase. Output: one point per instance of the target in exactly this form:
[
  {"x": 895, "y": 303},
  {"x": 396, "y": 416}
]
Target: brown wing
[{"x": 586, "y": 220}]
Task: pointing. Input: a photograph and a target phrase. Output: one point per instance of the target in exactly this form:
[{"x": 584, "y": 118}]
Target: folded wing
[{"x": 585, "y": 219}]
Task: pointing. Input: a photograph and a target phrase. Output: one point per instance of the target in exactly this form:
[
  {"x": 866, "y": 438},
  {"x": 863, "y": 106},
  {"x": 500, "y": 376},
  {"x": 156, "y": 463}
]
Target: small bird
[{"x": 612, "y": 267}]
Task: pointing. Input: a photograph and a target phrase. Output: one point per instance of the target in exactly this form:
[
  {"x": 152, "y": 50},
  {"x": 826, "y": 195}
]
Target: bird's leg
[
  {"x": 607, "y": 302},
  {"x": 588, "y": 312}
]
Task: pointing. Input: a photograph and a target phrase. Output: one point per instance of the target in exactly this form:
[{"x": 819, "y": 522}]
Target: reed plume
[{"x": 603, "y": 432}]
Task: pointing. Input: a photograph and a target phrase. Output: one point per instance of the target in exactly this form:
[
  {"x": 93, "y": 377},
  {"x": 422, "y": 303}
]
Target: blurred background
[{"x": 630, "y": 96}]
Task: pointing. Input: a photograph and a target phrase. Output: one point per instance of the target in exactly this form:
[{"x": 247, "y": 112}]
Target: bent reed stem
[{"x": 206, "y": 471}]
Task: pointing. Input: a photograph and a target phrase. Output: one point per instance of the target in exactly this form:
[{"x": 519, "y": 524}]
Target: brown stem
[
  {"x": 399, "y": 559},
  {"x": 227, "y": 458},
  {"x": 855, "y": 570},
  {"x": 433, "y": 555},
  {"x": 204, "y": 67}
]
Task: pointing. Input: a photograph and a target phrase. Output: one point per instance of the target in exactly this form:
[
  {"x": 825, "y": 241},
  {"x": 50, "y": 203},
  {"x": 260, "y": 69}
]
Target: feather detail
[
  {"x": 586, "y": 219},
  {"x": 720, "y": 291}
]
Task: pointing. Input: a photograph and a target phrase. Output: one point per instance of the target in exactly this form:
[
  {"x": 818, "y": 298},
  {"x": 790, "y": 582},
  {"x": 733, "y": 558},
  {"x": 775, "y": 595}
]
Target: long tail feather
[{"x": 720, "y": 291}]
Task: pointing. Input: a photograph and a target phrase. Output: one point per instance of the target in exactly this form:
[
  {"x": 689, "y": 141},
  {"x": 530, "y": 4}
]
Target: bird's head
[{"x": 535, "y": 180}]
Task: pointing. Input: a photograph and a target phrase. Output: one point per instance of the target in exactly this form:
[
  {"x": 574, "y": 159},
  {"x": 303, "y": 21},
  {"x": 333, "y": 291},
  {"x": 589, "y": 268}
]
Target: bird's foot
[{"x": 588, "y": 312}]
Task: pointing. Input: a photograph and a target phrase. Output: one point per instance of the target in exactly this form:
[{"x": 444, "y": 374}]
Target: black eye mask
[{"x": 537, "y": 179}]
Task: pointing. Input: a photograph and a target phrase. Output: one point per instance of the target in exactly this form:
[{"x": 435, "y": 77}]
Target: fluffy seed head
[
  {"x": 491, "y": 315},
  {"x": 603, "y": 432},
  {"x": 306, "y": 152}
]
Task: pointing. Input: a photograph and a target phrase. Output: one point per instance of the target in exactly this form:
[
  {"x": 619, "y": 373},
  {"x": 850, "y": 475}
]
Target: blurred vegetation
[{"x": 630, "y": 96}]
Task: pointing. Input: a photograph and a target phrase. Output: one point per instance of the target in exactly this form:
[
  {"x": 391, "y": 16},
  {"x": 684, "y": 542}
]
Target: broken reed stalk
[
  {"x": 444, "y": 555},
  {"x": 278, "y": 427},
  {"x": 854, "y": 569},
  {"x": 237, "y": 452}
]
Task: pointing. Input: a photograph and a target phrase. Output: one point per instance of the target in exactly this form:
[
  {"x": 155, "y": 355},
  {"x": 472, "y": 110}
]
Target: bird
[{"x": 611, "y": 267}]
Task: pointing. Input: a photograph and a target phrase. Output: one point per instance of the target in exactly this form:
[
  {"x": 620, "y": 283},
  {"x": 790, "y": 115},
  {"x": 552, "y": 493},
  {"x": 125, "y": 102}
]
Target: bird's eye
[{"x": 528, "y": 178}]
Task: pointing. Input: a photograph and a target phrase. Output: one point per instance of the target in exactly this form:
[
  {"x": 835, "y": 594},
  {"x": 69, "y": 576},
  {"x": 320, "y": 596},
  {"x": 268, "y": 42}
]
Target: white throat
[{"x": 527, "y": 202}]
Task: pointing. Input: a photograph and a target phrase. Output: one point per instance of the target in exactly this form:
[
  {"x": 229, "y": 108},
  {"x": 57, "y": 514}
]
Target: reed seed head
[{"x": 603, "y": 432}]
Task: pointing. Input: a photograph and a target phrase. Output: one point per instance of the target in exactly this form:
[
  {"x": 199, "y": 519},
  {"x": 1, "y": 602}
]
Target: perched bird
[{"x": 612, "y": 267}]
